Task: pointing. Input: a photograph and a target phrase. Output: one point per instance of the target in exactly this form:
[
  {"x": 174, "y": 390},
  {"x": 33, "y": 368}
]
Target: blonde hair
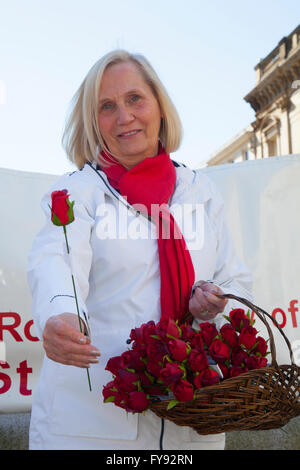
[{"x": 82, "y": 140}]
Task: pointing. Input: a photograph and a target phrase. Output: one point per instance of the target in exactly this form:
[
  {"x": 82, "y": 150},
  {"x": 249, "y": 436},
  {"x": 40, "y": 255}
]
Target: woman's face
[{"x": 129, "y": 115}]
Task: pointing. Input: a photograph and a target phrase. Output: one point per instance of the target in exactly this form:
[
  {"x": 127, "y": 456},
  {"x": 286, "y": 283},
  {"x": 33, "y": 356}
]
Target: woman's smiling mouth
[{"x": 129, "y": 133}]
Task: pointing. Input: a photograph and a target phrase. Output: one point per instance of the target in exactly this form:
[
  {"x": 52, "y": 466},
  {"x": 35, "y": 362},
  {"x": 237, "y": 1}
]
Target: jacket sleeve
[
  {"x": 230, "y": 274},
  {"x": 50, "y": 267}
]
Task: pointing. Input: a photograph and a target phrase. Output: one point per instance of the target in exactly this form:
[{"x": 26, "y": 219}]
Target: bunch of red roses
[{"x": 171, "y": 360}]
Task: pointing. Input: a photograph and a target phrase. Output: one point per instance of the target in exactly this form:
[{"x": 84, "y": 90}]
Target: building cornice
[
  {"x": 222, "y": 155},
  {"x": 277, "y": 73}
]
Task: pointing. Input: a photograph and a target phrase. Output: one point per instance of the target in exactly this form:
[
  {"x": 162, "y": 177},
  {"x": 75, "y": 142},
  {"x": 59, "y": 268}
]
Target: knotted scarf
[{"x": 151, "y": 183}]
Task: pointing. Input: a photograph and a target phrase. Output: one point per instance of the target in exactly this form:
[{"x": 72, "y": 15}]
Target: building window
[
  {"x": 272, "y": 146},
  {"x": 246, "y": 155}
]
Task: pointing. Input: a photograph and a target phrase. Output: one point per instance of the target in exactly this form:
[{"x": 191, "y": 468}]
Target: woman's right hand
[{"x": 64, "y": 343}]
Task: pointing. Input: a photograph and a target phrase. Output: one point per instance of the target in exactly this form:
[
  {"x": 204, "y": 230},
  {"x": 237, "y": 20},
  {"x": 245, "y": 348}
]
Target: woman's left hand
[{"x": 204, "y": 304}]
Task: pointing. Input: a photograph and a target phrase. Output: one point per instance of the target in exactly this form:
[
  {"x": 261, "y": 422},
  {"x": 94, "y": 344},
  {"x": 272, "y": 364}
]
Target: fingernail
[
  {"x": 82, "y": 340},
  {"x": 95, "y": 352},
  {"x": 93, "y": 360}
]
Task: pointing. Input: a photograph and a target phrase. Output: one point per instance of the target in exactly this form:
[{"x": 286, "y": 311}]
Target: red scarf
[{"x": 152, "y": 181}]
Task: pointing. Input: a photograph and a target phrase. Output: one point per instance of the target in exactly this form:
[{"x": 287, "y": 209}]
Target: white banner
[{"x": 262, "y": 200}]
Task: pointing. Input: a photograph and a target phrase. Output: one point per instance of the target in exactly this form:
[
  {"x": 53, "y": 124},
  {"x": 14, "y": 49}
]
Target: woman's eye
[
  {"x": 135, "y": 98},
  {"x": 106, "y": 106}
]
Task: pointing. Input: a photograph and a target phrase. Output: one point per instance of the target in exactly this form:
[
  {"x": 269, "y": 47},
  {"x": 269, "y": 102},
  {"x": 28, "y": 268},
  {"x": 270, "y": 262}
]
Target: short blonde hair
[{"x": 82, "y": 140}]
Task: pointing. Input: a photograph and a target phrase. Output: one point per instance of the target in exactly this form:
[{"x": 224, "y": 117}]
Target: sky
[{"x": 204, "y": 52}]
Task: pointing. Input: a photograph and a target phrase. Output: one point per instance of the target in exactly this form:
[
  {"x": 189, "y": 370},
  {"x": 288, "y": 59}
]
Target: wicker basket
[{"x": 265, "y": 398}]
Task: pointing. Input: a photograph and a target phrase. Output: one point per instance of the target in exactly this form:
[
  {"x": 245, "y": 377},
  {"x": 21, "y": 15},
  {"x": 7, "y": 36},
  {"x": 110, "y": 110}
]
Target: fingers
[
  {"x": 206, "y": 303},
  {"x": 64, "y": 343}
]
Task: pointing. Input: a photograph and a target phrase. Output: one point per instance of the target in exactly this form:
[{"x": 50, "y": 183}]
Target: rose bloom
[
  {"x": 247, "y": 337},
  {"x": 114, "y": 364},
  {"x": 156, "y": 350},
  {"x": 166, "y": 328},
  {"x": 179, "y": 349},
  {"x": 138, "y": 401},
  {"x": 187, "y": 332},
  {"x": 60, "y": 207},
  {"x": 196, "y": 341},
  {"x": 238, "y": 356},
  {"x": 171, "y": 373},
  {"x": 197, "y": 360},
  {"x": 219, "y": 351},
  {"x": 236, "y": 370},
  {"x": 126, "y": 381},
  {"x": 183, "y": 390},
  {"x": 262, "y": 346},
  {"x": 239, "y": 319},
  {"x": 154, "y": 368},
  {"x": 132, "y": 360},
  {"x": 209, "y": 332},
  {"x": 252, "y": 362},
  {"x": 206, "y": 378},
  {"x": 229, "y": 335}
]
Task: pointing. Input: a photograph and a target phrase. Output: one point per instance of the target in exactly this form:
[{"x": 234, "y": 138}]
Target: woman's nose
[{"x": 125, "y": 115}]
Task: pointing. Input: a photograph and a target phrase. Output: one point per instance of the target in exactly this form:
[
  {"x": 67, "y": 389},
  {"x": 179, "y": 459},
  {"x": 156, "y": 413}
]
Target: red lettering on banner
[
  {"x": 283, "y": 321},
  {"x": 27, "y": 331},
  {"x": 293, "y": 311},
  {"x": 23, "y": 370},
  {"x": 4, "y": 378},
  {"x": 11, "y": 328},
  {"x": 275, "y": 311}
]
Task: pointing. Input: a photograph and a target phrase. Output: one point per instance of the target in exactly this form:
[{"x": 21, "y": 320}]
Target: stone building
[{"x": 276, "y": 102}]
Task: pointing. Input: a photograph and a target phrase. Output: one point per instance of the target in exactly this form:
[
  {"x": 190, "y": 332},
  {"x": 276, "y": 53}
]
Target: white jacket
[{"x": 114, "y": 259}]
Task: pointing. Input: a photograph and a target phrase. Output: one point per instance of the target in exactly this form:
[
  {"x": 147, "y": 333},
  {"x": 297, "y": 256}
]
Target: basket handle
[{"x": 262, "y": 314}]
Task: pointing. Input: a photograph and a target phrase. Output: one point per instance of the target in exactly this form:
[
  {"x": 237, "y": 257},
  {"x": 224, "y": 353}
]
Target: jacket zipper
[{"x": 137, "y": 213}]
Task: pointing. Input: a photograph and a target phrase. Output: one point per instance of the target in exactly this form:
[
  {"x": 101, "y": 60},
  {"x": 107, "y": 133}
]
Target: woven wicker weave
[{"x": 265, "y": 398}]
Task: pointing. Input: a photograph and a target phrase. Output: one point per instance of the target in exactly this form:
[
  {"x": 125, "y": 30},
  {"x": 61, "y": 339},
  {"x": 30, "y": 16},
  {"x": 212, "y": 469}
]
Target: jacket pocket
[{"x": 77, "y": 411}]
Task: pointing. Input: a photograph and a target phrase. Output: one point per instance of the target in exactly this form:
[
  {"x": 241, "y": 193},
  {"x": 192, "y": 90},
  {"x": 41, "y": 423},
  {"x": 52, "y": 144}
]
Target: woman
[{"x": 135, "y": 257}]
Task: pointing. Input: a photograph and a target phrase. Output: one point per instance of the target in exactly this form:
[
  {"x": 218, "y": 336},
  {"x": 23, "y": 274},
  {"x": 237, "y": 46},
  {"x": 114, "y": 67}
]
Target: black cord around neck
[{"x": 161, "y": 434}]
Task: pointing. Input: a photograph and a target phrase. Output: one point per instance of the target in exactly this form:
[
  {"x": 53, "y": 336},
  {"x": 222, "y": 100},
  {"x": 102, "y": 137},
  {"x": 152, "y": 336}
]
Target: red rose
[
  {"x": 197, "y": 360},
  {"x": 247, "y": 337},
  {"x": 219, "y": 351},
  {"x": 138, "y": 401},
  {"x": 209, "y": 332},
  {"x": 132, "y": 360},
  {"x": 239, "y": 319},
  {"x": 236, "y": 370},
  {"x": 140, "y": 335},
  {"x": 261, "y": 347},
  {"x": 154, "y": 368},
  {"x": 262, "y": 362},
  {"x": 238, "y": 356},
  {"x": 196, "y": 341},
  {"x": 171, "y": 373},
  {"x": 252, "y": 362},
  {"x": 206, "y": 377},
  {"x": 114, "y": 364},
  {"x": 183, "y": 390},
  {"x": 166, "y": 328},
  {"x": 229, "y": 335},
  {"x": 111, "y": 393},
  {"x": 126, "y": 381},
  {"x": 224, "y": 370},
  {"x": 187, "y": 332},
  {"x": 62, "y": 208},
  {"x": 109, "y": 390},
  {"x": 179, "y": 349},
  {"x": 156, "y": 350}
]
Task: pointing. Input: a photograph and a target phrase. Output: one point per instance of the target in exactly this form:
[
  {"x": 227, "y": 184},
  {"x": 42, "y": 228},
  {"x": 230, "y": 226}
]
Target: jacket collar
[{"x": 191, "y": 185}]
